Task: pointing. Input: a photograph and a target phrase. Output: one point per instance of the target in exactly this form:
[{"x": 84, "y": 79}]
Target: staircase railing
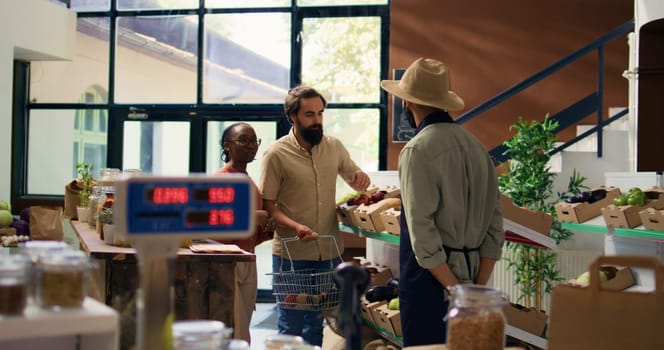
[{"x": 577, "y": 111}]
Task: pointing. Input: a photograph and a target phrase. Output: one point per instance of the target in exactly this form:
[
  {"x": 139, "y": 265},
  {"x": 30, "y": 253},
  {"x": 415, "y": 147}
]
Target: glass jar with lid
[
  {"x": 107, "y": 176},
  {"x": 475, "y": 319},
  {"x": 94, "y": 203},
  {"x": 62, "y": 279},
  {"x": 14, "y": 284},
  {"x": 278, "y": 341},
  {"x": 198, "y": 335}
]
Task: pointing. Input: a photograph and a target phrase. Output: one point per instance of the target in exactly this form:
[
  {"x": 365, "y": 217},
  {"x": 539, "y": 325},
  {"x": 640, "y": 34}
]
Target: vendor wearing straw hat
[{"x": 451, "y": 224}]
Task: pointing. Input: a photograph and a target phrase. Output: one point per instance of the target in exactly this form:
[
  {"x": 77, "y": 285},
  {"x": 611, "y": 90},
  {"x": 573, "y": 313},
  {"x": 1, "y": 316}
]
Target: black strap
[{"x": 463, "y": 250}]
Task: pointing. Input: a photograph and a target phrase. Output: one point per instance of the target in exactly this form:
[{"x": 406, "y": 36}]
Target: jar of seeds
[
  {"x": 475, "y": 319},
  {"x": 61, "y": 279}
]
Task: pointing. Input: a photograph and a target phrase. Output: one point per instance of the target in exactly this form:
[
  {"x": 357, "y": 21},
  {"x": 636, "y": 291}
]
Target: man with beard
[
  {"x": 451, "y": 224},
  {"x": 298, "y": 184}
]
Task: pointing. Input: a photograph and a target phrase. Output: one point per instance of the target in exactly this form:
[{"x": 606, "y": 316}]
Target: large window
[{"x": 154, "y": 82}]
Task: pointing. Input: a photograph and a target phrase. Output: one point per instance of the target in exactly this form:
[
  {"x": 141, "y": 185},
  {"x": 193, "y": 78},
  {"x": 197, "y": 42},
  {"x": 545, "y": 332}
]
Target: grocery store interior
[{"x": 100, "y": 89}]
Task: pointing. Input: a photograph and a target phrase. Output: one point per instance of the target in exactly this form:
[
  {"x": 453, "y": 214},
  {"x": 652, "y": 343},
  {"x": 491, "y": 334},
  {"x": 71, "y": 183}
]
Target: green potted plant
[
  {"x": 85, "y": 181},
  {"x": 528, "y": 180}
]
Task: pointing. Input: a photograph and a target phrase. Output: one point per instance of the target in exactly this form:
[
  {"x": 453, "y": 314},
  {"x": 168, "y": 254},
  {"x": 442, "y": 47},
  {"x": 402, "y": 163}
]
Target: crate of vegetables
[
  {"x": 625, "y": 209},
  {"x": 586, "y": 206}
]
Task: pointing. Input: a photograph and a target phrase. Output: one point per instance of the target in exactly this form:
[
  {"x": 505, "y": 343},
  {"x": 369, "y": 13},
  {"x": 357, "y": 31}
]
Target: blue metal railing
[{"x": 575, "y": 112}]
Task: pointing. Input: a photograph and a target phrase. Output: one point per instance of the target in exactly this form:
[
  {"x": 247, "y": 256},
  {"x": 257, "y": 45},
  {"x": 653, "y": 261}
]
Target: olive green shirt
[
  {"x": 449, "y": 189},
  {"x": 303, "y": 184}
]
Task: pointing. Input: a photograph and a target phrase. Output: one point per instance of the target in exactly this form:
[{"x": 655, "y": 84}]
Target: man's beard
[{"x": 312, "y": 134}]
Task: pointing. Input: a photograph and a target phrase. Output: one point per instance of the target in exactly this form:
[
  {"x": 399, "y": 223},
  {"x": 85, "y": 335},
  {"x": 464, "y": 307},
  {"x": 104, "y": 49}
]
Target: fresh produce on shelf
[
  {"x": 381, "y": 293},
  {"x": 588, "y": 196}
]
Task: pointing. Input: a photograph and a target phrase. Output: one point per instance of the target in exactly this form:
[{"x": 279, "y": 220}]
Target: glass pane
[
  {"x": 156, "y": 5},
  {"x": 156, "y": 59},
  {"x": 245, "y": 62},
  {"x": 246, "y": 3},
  {"x": 68, "y": 81},
  {"x": 158, "y": 148},
  {"x": 90, "y": 5},
  {"x": 357, "y": 129},
  {"x": 340, "y": 2},
  {"x": 341, "y": 58},
  {"x": 55, "y": 146},
  {"x": 266, "y": 131}
]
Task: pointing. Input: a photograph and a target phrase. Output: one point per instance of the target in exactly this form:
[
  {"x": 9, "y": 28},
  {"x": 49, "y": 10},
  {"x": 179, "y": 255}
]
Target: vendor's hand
[{"x": 359, "y": 181}]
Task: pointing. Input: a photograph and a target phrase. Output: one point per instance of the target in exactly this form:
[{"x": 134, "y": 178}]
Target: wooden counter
[{"x": 204, "y": 283}]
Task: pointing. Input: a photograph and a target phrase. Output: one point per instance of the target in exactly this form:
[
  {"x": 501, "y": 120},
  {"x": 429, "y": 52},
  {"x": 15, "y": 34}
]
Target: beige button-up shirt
[{"x": 303, "y": 184}]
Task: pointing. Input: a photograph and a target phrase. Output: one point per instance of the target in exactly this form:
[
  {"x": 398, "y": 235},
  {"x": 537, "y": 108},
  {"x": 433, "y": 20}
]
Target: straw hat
[{"x": 425, "y": 82}]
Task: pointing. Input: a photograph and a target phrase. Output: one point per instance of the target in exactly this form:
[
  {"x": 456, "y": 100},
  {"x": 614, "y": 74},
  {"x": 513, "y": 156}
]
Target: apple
[
  {"x": 4, "y": 205},
  {"x": 377, "y": 196},
  {"x": 290, "y": 300}
]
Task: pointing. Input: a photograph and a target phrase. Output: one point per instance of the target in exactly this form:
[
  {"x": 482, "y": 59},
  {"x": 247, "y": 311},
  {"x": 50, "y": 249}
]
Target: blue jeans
[{"x": 307, "y": 324}]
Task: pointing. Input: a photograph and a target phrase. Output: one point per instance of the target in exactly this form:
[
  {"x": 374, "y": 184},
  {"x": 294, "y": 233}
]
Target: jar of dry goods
[
  {"x": 61, "y": 279},
  {"x": 475, "y": 319},
  {"x": 278, "y": 341},
  {"x": 14, "y": 272},
  {"x": 198, "y": 335}
]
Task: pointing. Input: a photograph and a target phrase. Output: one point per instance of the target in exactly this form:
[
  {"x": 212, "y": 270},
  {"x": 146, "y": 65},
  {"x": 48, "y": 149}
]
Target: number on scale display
[{"x": 180, "y": 195}]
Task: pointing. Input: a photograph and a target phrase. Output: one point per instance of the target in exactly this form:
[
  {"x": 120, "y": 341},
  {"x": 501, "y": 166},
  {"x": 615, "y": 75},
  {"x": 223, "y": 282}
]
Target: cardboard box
[
  {"x": 368, "y": 216},
  {"x": 623, "y": 279},
  {"x": 365, "y": 309},
  {"x": 7, "y": 231},
  {"x": 379, "y": 275},
  {"x": 375, "y": 317},
  {"x": 534, "y": 220},
  {"x": 387, "y": 319},
  {"x": 582, "y": 212},
  {"x": 345, "y": 214},
  {"x": 628, "y": 216},
  {"x": 392, "y": 220},
  {"x": 527, "y": 319},
  {"x": 652, "y": 219}
]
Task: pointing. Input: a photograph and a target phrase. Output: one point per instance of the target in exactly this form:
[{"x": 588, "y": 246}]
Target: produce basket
[{"x": 306, "y": 289}]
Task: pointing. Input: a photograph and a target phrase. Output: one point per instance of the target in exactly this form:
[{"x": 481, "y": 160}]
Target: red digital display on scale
[
  {"x": 213, "y": 195},
  {"x": 169, "y": 195},
  {"x": 212, "y": 217},
  {"x": 180, "y": 195}
]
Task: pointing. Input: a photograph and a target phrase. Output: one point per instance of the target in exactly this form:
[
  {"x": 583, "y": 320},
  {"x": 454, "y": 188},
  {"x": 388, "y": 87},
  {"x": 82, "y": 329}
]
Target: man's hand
[
  {"x": 304, "y": 233},
  {"x": 360, "y": 181}
]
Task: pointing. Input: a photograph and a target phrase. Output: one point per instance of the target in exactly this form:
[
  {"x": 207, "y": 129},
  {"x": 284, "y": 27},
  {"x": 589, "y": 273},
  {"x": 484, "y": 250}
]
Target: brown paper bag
[
  {"x": 592, "y": 318},
  {"x": 72, "y": 189},
  {"x": 46, "y": 223}
]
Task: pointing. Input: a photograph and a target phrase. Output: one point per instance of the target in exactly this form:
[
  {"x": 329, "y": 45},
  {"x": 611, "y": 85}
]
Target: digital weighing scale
[{"x": 158, "y": 213}]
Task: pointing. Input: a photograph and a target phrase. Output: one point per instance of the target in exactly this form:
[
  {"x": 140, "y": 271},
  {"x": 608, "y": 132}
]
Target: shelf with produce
[
  {"x": 525, "y": 336},
  {"x": 594, "y": 225},
  {"x": 517, "y": 234},
  {"x": 381, "y": 236},
  {"x": 598, "y": 225},
  {"x": 398, "y": 341}
]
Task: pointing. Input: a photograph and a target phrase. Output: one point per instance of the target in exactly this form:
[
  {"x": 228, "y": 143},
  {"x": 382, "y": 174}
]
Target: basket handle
[{"x": 291, "y": 239}]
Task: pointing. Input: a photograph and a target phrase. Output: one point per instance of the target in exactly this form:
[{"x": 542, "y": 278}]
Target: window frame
[{"x": 202, "y": 112}]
